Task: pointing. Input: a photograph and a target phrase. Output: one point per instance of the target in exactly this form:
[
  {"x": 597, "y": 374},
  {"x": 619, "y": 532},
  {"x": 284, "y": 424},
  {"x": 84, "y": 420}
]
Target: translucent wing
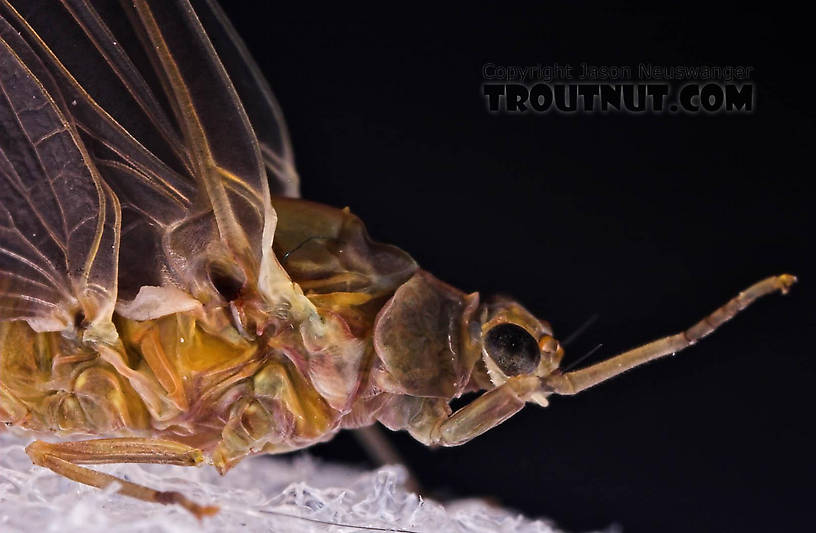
[
  {"x": 156, "y": 145},
  {"x": 261, "y": 105},
  {"x": 59, "y": 222}
]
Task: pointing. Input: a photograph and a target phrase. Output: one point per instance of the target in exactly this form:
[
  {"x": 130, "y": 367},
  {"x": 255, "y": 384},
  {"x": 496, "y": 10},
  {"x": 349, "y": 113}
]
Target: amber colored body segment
[{"x": 230, "y": 396}]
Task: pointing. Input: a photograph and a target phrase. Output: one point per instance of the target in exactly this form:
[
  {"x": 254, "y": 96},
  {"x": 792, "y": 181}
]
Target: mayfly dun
[{"x": 167, "y": 296}]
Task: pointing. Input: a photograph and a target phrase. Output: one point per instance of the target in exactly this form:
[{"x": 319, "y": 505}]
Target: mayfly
[{"x": 166, "y": 294}]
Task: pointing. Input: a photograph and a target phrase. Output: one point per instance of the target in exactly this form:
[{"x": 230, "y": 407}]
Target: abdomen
[{"x": 51, "y": 383}]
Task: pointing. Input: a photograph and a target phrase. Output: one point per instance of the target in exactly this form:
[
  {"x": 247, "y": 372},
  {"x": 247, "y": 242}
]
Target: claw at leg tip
[
  {"x": 786, "y": 281},
  {"x": 202, "y": 511}
]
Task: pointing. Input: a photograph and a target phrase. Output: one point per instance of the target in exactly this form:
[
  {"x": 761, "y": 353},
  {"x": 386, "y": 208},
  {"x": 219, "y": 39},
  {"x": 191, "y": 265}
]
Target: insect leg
[
  {"x": 578, "y": 380},
  {"x": 435, "y": 426},
  {"x": 64, "y": 458}
]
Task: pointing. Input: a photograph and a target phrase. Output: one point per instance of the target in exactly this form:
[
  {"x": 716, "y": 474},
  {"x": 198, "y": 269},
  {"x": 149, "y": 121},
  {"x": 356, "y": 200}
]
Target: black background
[{"x": 647, "y": 221}]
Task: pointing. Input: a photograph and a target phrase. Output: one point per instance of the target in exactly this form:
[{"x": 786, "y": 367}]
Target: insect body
[{"x": 158, "y": 298}]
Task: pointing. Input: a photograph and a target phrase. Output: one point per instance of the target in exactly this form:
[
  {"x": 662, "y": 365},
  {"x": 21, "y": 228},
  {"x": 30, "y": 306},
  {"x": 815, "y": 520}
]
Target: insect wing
[
  {"x": 261, "y": 105},
  {"x": 155, "y": 143},
  {"x": 59, "y": 221}
]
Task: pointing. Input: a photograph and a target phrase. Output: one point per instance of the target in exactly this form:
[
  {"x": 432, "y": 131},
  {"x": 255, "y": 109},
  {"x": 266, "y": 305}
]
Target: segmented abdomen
[{"x": 51, "y": 383}]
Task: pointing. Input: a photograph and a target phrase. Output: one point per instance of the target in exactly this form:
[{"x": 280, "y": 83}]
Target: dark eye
[
  {"x": 513, "y": 349},
  {"x": 228, "y": 285}
]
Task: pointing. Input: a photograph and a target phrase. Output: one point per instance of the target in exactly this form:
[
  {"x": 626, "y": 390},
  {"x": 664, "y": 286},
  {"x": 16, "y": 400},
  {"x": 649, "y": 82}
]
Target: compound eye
[{"x": 513, "y": 349}]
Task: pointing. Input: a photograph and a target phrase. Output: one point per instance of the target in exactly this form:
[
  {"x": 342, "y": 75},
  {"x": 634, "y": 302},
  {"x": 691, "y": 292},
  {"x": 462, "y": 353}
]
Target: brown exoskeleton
[{"x": 163, "y": 288}]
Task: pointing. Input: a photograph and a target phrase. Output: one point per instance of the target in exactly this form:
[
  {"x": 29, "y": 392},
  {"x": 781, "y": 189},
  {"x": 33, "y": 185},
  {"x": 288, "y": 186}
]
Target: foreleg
[
  {"x": 578, "y": 380},
  {"x": 430, "y": 421}
]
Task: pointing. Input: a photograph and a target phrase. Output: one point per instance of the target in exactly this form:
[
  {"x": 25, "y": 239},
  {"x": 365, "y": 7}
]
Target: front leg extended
[{"x": 482, "y": 414}]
